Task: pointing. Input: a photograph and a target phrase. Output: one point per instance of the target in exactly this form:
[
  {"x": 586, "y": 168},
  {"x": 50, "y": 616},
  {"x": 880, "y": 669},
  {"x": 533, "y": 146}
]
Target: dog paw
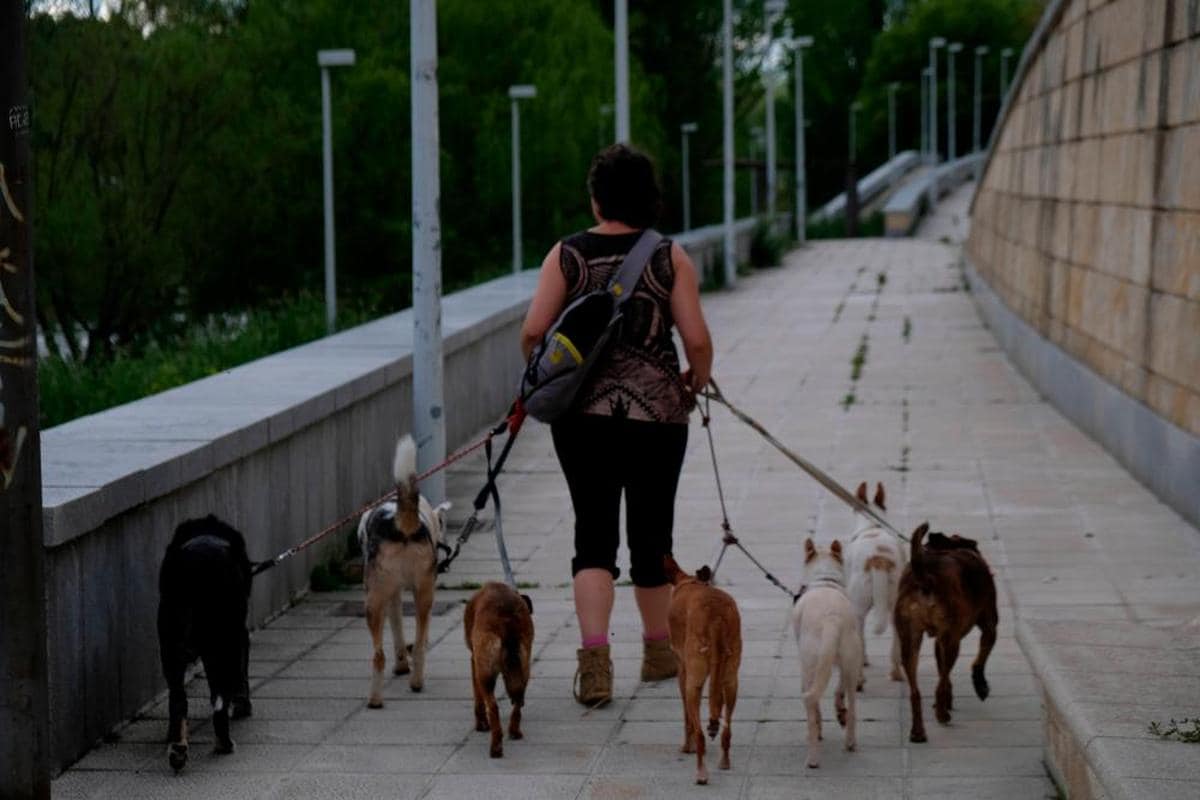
[
  {"x": 861, "y": 683},
  {"x": 851, "y": 747},
  {"x": 688, "y": 748},
  {"x": 701, "y": 778},
  {"x": 896, "y": 675},
  {"x": 515, "y": 735},
  {"x": 813, "y": 764},
  {"x": 400, "y": 669},
  {"x": 482, "y": 726},
  {"x": 943, "y": 715},
  {"x": 917, "y": 736},
  {"x": 725, "y": 763},
  {"x": 375, "y": 702},
  {"x": 177, "y": 756},
  {"x": 980, "y": 683},
  {"x": 496, "y": 752},
  {"x": 415, "y": 686}
]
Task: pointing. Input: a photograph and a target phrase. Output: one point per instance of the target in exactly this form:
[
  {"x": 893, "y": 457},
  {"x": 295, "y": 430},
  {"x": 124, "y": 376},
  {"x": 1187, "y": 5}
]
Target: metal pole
[
  {"x": 853, "y": 130},
  {"x": 24, "y": 705},
  {"x": 1005, "y": 54},
  {"x": 756, "y": 137},
  {"x": 951, "y": 116},
  {"x": 772, "y": 177},
  {"x": 801, "y": 170},
  {"x": 934, "y": 44},
  {"x": 518, "y": 257},
  {"x": 925, "y": 115},
  {"x": 622, "y": 59},
  {"x": 685, "y": 130},
  {"x": 892, "y": 120},
  {"x": 330, "y": 255},
  {"x": 975, "y": 118},
  {"x": 428, "y": 406},
  {"x": 727, "y": 114}
]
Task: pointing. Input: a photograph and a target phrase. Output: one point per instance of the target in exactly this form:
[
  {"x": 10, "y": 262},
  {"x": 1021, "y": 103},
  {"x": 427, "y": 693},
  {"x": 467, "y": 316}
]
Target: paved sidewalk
[{"x": 937, "y": 414}]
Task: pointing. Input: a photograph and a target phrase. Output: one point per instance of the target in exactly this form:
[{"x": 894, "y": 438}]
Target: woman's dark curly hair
[{"x": 622, "y": 182}]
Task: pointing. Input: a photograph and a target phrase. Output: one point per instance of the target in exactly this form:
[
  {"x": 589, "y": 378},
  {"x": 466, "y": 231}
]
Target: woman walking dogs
[{"x": 626, "y": 430}]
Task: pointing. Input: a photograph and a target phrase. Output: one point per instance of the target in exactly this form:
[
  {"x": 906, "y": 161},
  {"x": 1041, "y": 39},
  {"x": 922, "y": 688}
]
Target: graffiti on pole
[{"x": 14, "y": 329}]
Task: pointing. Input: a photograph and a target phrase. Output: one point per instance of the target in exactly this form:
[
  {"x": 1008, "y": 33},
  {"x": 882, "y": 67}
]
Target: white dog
[
  {"x": 874, "y": 561},
  {"x": 827, "y": 633}
]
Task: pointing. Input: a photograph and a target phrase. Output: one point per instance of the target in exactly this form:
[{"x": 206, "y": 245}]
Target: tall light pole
[
  {"x": 855, "y": 107},
  {"x": 925, "y": 114},
  {"x": 516, "y": 93},
  {"x": 685, "y": 130},
  {"x": 977, "y": 122},
  {"x": 798, "y": 45},
  {"x": 24, "y": 709},
  {"x": 621, "y": 25},
  {"x": 606, "y": 110},
  {"x": 429, "y": 419},
  {"x": 727, "y": 130},
  {"x": 934, "y": 44},
  {"x": 1005, "y": 55},
  {"x": 892, "y": 119},
  {"x": 951, "y": 116},
  {"x": 772, "y": 8},
  {"x": 756, "y": 143},
  {"x": 327, "y": 59}
]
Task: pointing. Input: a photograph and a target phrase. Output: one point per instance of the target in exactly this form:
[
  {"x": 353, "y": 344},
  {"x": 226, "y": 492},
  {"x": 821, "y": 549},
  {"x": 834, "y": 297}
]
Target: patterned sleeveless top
[{"x": 639, "y": 376}]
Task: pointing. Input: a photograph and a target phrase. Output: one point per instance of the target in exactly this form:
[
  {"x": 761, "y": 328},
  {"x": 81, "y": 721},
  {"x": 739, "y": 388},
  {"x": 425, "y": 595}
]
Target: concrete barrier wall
[
  {"x": 1086, "y": 223},
  {"x": 280, "y": 448}
]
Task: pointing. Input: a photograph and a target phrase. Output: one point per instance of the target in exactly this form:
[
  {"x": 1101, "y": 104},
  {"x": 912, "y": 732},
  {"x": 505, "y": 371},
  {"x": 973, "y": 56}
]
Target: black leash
[{"x": 727, "y": 538}]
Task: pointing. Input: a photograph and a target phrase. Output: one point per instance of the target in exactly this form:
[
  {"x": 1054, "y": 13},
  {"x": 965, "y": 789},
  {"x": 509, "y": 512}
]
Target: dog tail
[
  {"x": 917, "y": 562},
  {"x": 717, "y": 655},
  {"x": 404, "y": 465},
  {"x": 825, "y": 658},
  {"x": 881, "y": 597}
]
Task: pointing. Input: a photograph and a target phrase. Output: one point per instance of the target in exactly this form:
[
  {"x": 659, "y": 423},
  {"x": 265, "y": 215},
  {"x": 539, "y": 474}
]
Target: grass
[
  {"x": 871, "y": 225},
  {"x": 906, "y": 334},
  {"x": 1186, "y": 730},
  {"x": 848, "y": 401},
  {"x": 881, "y": 280},
  {"x": 70, "y": 390},
  {"x": 860, "y": 359}
]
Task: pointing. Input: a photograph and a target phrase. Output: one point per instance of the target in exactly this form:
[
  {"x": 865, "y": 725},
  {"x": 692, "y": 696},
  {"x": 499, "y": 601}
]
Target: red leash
[{"x": 512, "y": 423}]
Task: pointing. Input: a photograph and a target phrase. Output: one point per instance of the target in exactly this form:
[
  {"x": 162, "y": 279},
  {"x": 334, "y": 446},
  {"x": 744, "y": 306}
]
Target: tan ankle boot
[
  {"x": 594, "y": 677},
  {"x": 658, "y": 661}
]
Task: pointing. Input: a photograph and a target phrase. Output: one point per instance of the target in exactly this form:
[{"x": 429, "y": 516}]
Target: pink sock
[
  {"x": 595, "y": 641},
  {"x": 656, "y": 637}
]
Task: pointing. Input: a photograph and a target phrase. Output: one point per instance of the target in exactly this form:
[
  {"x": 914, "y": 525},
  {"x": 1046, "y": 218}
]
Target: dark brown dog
[
  {"x": 499, "y": 628},
  {"x": 945, "y": 591},
  {"x": 706, "y": 635}
]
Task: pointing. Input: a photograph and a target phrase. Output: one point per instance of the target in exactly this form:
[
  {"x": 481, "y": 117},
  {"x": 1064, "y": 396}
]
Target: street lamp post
[
  {"x": 1005, "y": 55},
  {"x": 934, "y": 44},
  {"x": 756, "y": 142},
  {"x": 428, "y": 404},
  {"x": 925, "y": 114},
  {"x": 798, "y": 45},
  {"x": 951, "y": 116},
  {"x": 515, "y": 94},
  {"x": 772, "y": 8},
  {"x": 892, "y": 119},
  {"x": 327, "y": 59},
  {"x": 685, "y": 130},
  {"x": 855, "y": 107},
  {"x": 727, "y": 132},
  {"x": 621, "y": 25},
  {"x": 977, "y": 122}
]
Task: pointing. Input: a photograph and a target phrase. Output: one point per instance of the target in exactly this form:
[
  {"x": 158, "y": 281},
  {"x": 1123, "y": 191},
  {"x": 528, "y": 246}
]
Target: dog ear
[
  {"x": 861, "y": 494},
  {"x": 704, "y": 574},
  {"x": 810, "y": 550},
  {"x": 880, "y": 496},
  {"x": 835, "y": 550},
  {"x": 528, "y": 602}
]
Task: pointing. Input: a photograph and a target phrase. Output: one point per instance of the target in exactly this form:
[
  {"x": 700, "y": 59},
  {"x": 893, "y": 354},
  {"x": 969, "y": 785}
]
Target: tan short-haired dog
[
  {"x": 399, "y": 544},
  {"x": 706, "y": 635},
  {"x": 498, "y": 624}
]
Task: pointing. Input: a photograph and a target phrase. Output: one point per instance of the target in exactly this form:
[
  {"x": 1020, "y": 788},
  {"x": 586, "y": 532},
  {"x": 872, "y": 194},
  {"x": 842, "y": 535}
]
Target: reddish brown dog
[
  {"x": 499, "y": 628},
  {"x": 946, "y": 590},
  {"x": 706, "y": 635}
]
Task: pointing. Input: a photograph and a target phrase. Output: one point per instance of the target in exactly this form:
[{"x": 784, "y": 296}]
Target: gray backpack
[{"x": 559, "y": 365}]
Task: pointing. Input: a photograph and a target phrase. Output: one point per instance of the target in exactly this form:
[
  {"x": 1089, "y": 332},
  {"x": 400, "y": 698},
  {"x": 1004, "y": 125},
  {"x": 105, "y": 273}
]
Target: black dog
[{"x": 204, "y": 589}]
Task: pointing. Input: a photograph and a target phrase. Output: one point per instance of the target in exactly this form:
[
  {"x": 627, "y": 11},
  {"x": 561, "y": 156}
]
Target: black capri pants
[{"x": 602, "y": 457}]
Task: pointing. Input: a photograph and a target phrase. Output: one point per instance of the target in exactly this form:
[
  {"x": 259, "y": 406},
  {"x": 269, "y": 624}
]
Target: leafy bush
[{"x": 766, "y": 247}]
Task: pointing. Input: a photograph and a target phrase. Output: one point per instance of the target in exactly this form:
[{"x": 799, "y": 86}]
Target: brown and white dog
[
  {"x": 706, "y": 635},
  {"x": 399, "y": 544},
  {"x": 946, "y": 590},
  {"x": 874, "y": 559},
  {"x": 499, "y": 627},
  {"x": 827, "y": 633}
]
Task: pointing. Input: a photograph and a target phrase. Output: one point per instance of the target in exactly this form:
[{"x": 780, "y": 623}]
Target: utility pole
[
  {"x": 516, "y": 93},
  {"x": 622, "y": 68},
  {"x": 727, "y": 118},
  {"x": 685, "y": 130},
  {"x": 925, "y": 115},
  {"x": 24, "y": 704},
  {"x": 325, "y": 60},
  {"x": 951, "y": 115},
  {"x": 892, "y": 119},
  {"x": 799, "y": 44},
  {"x": 429, "y": 419},
  {"x": 977, "y": 122},
  {"x": 934, "y": 44},
  {"x": 772, "y": 10},
  {"x": 1005, "y": 55}
]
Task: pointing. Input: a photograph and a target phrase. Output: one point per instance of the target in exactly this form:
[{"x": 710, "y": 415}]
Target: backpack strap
[{"x": 625, "y": 279}]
